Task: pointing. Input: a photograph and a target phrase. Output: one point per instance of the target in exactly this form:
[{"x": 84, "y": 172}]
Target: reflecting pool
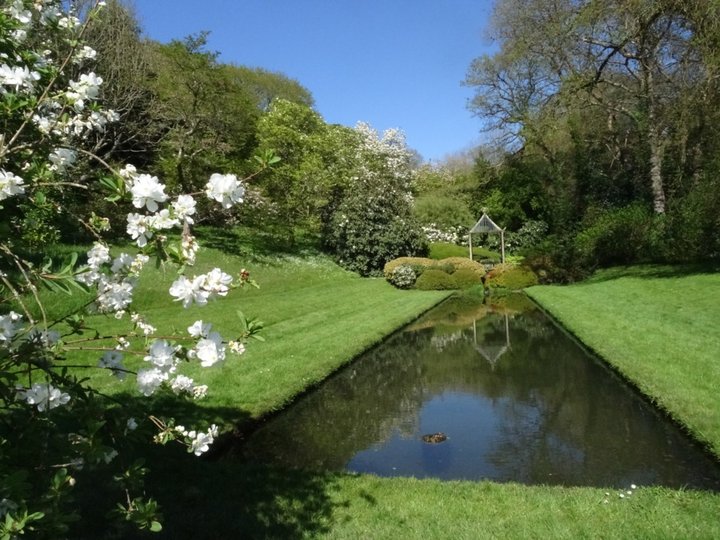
[{"x": 510, "y": 397}]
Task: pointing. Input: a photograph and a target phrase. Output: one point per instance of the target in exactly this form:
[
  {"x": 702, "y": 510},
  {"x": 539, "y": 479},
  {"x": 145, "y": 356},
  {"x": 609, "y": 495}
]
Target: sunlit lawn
[
  {"x": 317, "y": 318},
  {"x": 659, "y": 327}
]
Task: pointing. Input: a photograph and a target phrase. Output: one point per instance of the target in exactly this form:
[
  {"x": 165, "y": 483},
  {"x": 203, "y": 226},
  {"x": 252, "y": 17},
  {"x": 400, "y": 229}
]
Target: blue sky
[{"x": 392, "y": 63}]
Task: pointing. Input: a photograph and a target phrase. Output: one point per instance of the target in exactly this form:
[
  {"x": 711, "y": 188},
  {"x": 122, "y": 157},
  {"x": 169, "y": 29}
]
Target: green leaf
[{"x": 155, "y": 526}]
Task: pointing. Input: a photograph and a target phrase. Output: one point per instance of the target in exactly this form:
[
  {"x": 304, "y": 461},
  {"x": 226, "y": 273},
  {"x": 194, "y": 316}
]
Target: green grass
[
  {"x": 319, "y": 317},
  {"x": 659, "y": 327}
]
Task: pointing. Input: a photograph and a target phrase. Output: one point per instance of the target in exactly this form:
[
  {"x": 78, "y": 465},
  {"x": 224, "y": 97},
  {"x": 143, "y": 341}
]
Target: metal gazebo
[{"x": 487, "y": 225}]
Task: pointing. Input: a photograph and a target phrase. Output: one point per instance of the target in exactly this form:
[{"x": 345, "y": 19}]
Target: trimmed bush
[
  {"x": 510, "y": 277},
  {"x": 434, "y": 279},
  {"x": 403, "y": 277},
  {"x": 412, "y": 262},
  {"x": 467, "y": 277},
  {"x": 458, "y": 263}
]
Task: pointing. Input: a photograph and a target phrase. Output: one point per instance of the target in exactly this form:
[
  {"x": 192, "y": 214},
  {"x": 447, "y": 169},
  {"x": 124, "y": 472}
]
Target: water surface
[{"x": 516, "y": 397}]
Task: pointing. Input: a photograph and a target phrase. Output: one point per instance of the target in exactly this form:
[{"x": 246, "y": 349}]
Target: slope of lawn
[
  {"x": 318, "y": 317},
  {"x": 659, "y": 327}
]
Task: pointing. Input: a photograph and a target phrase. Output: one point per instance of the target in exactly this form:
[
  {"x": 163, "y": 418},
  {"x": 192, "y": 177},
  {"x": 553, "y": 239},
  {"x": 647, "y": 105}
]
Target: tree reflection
[{"x": 559, "y": 415}]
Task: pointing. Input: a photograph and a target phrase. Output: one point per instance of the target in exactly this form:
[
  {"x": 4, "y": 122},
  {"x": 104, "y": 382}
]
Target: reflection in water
[{"x": 518, "y": 400}]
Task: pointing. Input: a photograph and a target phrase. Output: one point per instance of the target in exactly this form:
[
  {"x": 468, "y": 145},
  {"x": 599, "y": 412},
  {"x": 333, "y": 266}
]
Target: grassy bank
[
  {"x": 317, "y": 318},
  {"x": 659, "y": 327}
]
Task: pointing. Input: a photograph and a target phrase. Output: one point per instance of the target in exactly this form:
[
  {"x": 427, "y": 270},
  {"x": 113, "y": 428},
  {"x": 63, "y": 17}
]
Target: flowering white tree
[{"x": 51, "y": 423}]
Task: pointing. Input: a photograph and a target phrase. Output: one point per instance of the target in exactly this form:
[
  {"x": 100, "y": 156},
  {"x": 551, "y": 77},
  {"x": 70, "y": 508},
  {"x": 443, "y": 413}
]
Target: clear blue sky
[{"x": 392, "y": 63}]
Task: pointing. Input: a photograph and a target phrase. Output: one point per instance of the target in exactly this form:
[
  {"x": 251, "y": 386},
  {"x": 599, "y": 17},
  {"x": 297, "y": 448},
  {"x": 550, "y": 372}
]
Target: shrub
[
  {"x": 443, "y": 250},
  {"x": 510, "y": 277},
  {"x": 434, "y": 279},
  {"x": 468, "y": 277},
  {"x": 416, "y": 263},
  {"x": 403, "y": 277},
  {"x": 617, "y": 236},
  {"x": 458, "y": 263}
]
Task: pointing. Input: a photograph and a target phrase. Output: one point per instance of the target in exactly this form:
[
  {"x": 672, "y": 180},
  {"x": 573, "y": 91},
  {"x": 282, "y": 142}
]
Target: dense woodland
[{"x": 602, "y": 118}]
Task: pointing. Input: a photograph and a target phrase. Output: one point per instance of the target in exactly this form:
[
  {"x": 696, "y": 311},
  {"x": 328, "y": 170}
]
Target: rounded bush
[
  {"x": 434, "y": 279},
  {"x": 412, "y": 262},
  {"x": 463, "y": 262},
  {"x": 403, "y": 277},
  {"x": 510, "y": 277},
  {"x": 468, "y": 277}
]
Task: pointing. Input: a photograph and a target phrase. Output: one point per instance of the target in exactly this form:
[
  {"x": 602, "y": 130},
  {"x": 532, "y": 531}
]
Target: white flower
[
  {"x": 190, "y": 291},
  {"x": 132, "y": 424},
  {"x": 85, "y": 53},
  {"x": 147, "y": 191},
  {"x": 114, "y": 296},
  {"x": 210, "y": 350},
  {"x": 113, "y": 360},
  {"x": 236, "y": 347},
  {"x": 200, "y": 391},
  {"x": 200, "y": 442},
  {"x": 19, "y": 77},
  {"x": 9, "y": 326},
  {"x": 121, "y": 262},
  {"x": 148, "y": 380},
  {"x": 44, "y": 396},
  {"x": 10, "y": 185},
  {"x": 62, "y": 158},
  {"x": 181, "y": 383},
  {"x": 18, "y": 12},
  {"x": 139, "y": 228},
  {"x": 198, "y": 329},
  {"x": 184, "y": 207},
  {"x": 162, "y": 355},
  {"x": 225, "y": 188},
  {"x": 88, "y": 87},
  {"x": 217, "y": 282},
  {"x": 97, "y": 255},
  {"x": 163, "y": 220}
]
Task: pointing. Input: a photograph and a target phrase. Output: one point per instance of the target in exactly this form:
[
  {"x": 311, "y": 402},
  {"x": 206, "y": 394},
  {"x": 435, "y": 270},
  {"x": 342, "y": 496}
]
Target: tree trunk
[{"x": 656, "y": 160}]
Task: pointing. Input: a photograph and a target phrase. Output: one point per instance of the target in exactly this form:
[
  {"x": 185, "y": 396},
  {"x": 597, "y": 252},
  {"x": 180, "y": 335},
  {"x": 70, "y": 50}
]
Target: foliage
[
  {"x": 418, "y": 264},
  {"x": 442, "y": 250},
  {"x": 510, "y": 277},
  {"x": 403, "y": 277},
  {"x": 56, "y": 428},
  {"x": 615, "y": 236},
  {"x": 434, "y": 279},
  {"x": 459, "y": 263},
  {"x": 527, "y": 237},
  {"x": 466, "y": 278},
  {"x": 373, "y": 222}
]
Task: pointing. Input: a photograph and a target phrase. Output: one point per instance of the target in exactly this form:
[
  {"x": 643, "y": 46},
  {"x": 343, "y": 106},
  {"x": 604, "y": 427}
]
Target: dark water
[{"x": 517, "y": 398}]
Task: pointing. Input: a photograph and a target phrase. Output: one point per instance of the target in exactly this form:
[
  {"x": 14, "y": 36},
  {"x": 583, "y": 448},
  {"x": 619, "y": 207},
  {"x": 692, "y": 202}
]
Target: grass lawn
[
  {"x": 317, "y": 318},
  {"x": 659, "y": 327}
]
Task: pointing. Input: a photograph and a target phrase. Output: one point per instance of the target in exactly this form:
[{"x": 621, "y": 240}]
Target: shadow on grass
[
  {"x": 653, "y": 271},
  {"x": 258, "y": 244},
  {"x": 209, "y": 497}
]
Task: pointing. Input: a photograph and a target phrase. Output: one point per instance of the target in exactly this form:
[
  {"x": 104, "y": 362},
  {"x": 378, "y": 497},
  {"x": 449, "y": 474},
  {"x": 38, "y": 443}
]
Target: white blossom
[
  {"x": 149, "y": 380},
  {"x": 190, "y": 291},
  {"x": 62, "y": 158},
  {"x": 184, "y": 208},
  {"x": 113, "y": 360},
  {"x": 225, "y": 188},
  {"x": 217, "y": 282},
  {"x": 236, "y": 347},
  {"x": 98, "y": 255},
  {"x": 18, "y": 77},
  {"x": 182, "y": 383},
  {"x": 9, "y": 326},
  {"x": 147, "y": 191},
  {"x": 10, "y": 185},
  {"x": 199, "y": 329},
  {"x": 140, "y": 228},
  {"x": 162, "y": 355},
  {"x": 210, "y": 350},
  {"x": 44, "y": 396}
]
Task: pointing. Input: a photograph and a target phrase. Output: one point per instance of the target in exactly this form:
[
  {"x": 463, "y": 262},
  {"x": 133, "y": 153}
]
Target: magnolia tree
[
  {"x": 373, "y": 223},
  {"x": 54, "y": 427}
]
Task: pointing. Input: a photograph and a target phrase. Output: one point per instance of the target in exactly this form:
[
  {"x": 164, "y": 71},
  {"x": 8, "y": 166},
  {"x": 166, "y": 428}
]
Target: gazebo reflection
[{"x": 492, "y": 345}]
